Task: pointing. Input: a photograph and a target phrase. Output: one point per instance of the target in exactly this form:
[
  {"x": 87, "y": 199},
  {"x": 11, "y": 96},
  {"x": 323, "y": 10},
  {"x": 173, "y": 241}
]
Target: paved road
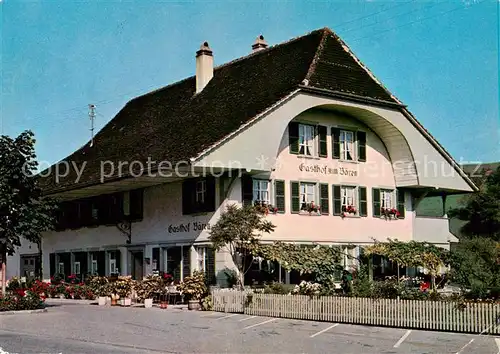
[{"x": 93, "y": 329}]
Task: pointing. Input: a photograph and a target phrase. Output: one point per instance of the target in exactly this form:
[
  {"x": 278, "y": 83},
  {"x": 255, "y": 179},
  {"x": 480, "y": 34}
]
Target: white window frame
[
  {"x": 307, "y": 140},
  {"x": 93, "y": 266},
  {"x": 201, "y": 253},
  {"x": 345, "y": 198},
  {"x": 60, "y": 266},
  {"x": 313, "y": 188},
  {"x": 387, "y": 195},
  {"x": 348, "y": 147},
  {"x": 261, "y": 188},
  {"x": 76, "y": 268},
  {"x": 201, "y": 191}
]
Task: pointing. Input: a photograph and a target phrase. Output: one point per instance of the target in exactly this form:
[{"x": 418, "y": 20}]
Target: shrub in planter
[
  {"x": 98, "y": 285},
  {"x": 41, "y": 288},
  {"x": 206, "y": 303},
  {"x": 194, "y": 289},
  {"x": 150, "y": 286}
]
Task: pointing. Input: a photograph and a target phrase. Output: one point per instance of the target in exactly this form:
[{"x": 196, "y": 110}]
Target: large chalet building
[{"x": 302, "y": 126}]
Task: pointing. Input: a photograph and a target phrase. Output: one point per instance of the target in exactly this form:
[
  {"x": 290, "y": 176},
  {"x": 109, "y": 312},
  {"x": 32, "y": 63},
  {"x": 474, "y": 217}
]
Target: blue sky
[{"x": 441, "y": 58}]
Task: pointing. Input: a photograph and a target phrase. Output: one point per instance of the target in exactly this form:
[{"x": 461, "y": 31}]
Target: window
[
  {"x": 386, "y": 199},
  {"x": 306, "y": 140},
  {"x": 201, "y": 191},
  {"x": 202, "y": 266},
  {"x": 348, "y": 197},
  {"x": 113, "y": 262},
  {"x": 93, "y": 267},
  {"x": 261, "y": 191},
  {"x": 60, "y": 268},
  {"x": 347, "y": 145},
  {"x": 76, "y": 268},
  {"x": 307, "y": 194},
  {"x": 198, "y": 195}
]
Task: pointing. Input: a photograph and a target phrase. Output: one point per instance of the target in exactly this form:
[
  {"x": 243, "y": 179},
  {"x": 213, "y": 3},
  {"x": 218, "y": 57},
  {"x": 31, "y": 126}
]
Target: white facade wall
[{"x": 162, "y": 218}]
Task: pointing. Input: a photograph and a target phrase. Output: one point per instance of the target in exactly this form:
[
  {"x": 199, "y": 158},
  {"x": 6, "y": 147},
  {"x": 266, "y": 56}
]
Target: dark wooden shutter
[
  {"x": 324, "y": 200},
  {"x": 136, "y": 204},
  {"x": 293, "y": 137},
  {"x": 323, "y": 147},
  {"x": 209, "y": 204},
  {"x": 210, "y": 266},
  {"x": 246, "y": 190},
  {"x": 101, "y": 263},
  {"x": 363, "y": 203},
  {"x": 279, "y": 195},
  {"x": 187, "y": 196},
  {"x": 337, "y": 200},
  {"x": 186, "y": 261},
  {"x": 52, "y": 264},
  {"x": 336, "y": 143},
  {"x": 361, "y": 137},
  {"x": 376, "y": 201},
  {"x": 401, "y": 203},
  {"x": 295, "y": 196}
]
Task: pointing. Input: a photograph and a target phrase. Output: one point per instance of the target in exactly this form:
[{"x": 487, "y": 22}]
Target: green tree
[
  {"x": 475, "y": 264},
  {"x": 481, "y": 210},
  {"x": 239, "y": 230},
  {"x": 24, "y": 214}
]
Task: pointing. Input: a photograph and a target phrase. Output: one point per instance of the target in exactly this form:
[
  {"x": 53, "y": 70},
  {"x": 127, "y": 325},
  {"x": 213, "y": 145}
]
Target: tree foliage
[
  {"x": 24, "y": 214},
  {"x": 476, "y": 264},
  {"x": 482, "y": 210},
  {"x": 240, "y": 230}
]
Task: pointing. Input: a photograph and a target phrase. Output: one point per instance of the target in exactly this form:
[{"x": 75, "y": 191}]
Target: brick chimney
[
  {"x": 204, "y": 66},
  {"x": 259, "y": 44}
]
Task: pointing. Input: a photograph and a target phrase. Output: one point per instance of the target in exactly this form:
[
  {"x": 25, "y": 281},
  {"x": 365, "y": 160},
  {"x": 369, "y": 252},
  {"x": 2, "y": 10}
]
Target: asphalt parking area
[{"x": 93, "y": 329}]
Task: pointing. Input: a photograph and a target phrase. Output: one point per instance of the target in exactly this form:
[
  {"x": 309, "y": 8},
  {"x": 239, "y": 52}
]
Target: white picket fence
[{"x": 429, "y": 315}]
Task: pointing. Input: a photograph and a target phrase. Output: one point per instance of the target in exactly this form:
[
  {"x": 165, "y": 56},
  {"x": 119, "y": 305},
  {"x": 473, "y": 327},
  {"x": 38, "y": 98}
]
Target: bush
[
  {"x": 149, "y": 286},
  {"x": 98, "y": 285},
  {"x": 307, "y": 288},
  {"x": 278, "y": 288},
  {"x": 28, "y": 300},
  {"x": 206, "y": 303},
  {"x": 362, "y": 286},
  {"x": 194, "y": 286}
]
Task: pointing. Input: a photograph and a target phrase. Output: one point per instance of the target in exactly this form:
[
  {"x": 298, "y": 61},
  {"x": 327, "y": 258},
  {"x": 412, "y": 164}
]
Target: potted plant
[{"x": 194, "y": 289}]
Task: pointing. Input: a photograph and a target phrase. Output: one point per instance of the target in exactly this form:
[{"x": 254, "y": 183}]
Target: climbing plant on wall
[
  {"x": 319, "y": 260},
  {"x": 412, "y": 254}
]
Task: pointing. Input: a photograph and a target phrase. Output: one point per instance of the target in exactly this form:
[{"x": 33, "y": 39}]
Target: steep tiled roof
[{"x": 175, "y": 124}]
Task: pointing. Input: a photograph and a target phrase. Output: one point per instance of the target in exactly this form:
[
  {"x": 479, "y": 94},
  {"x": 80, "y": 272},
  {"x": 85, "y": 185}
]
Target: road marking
[
  {"x": 497, "y": 340},
  {"x": 402, "y": 339},
  {"x": 261, "y": 323},
  {"x": 221, "y": 318},
  {"x": 211, "y": 314},
  {"x": 465, "y": 346},
  {"x": 248, "y": 318},
  {"x": 323, "y": 331}
]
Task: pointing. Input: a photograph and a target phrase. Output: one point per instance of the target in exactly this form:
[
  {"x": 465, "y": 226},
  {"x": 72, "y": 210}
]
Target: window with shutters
[
  {"x": 206, "y": 262},
  {"x": 307, "y": 194},
  {"x": 386, "y": 199},
  {"x": 348, "y": 195},
  {"x": 347, "y": 145},
  {"x": 201, "y": 191},
  {"x": 198, "y": 195},
  {"x": 261, "y": 191},
  {"x": 306, "y": 140}
]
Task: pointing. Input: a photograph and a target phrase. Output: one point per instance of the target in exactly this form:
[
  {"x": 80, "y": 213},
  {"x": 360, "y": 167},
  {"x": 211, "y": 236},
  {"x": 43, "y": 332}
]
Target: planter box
[
  {"x": 148, "y": 303},
  {"x": 101, "y": 300},
  {"x": 194, "y": 305},
  {"x": 127, "y": 302}
]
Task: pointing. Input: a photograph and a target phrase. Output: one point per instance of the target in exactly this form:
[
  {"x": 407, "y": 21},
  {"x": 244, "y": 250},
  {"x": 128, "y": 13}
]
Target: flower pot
[
  {"x": 101, "y": 301},
  {"x": 114, "y": 301},
  {"x": 164, "y": 305},
  {"x": 121, "y": 302},
  {"x": 194, "y": 305},
  {"x": 148, "y": 303},
  {"x": 127, "y": 302},
  {"x": 61, "y": 296}
]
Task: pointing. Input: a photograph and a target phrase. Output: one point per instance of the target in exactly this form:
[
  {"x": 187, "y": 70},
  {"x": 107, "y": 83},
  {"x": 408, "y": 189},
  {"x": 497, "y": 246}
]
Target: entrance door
[
  {"x": 29, "y": 266},
  {"x": 137, "y": 265}
]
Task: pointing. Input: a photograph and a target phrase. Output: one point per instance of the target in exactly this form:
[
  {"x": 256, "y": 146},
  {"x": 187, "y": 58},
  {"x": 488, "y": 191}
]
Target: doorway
[
  {"x": 29, "y": 266},
  {"x": 137, "y": 265}
]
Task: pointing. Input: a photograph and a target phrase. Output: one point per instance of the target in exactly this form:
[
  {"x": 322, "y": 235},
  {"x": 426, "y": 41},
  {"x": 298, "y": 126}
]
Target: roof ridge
[
  {"x": 319, "y": 50},
  {"x": 262, "y": 51}
]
